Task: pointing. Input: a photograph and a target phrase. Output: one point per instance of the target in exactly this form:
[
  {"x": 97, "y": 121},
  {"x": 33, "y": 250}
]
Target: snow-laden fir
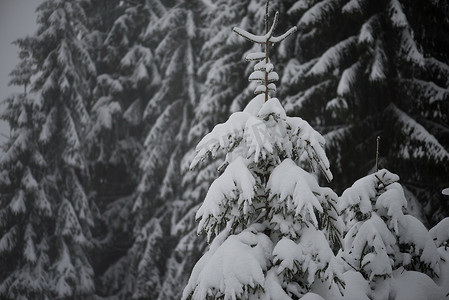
[
  {"x": 276, "y": 234},
  {"x": 264, "y": 208}
]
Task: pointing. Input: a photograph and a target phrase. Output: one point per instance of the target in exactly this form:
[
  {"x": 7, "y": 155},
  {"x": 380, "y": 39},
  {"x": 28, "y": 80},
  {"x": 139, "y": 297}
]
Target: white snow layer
[
  {"x": 261, "y": 128},
  {"x": 417, "y": 132},
  {"x": 233, "y": 267},
  {"x": 318, "y": 13},
  {"x": 406, "y": 285},
  {"x": 333, "y": 55},
  {"x": 311, "y": 255},
  {"x": 352, "y": 7},
  {"x": 440, "y": 232},
  {"x": 356, "y": 288},
  {"x": 364, "y": 189},
  {"x": 268, "y": 37},
  {"x": 236, "y": 183},
  {"x": 292, "y": 186}
]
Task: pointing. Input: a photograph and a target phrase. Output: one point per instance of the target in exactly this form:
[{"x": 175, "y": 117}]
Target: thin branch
[
  {"x": 266, "y": 16},
  {"x": 377, "y": 154},
  {"x": 273, "y": 27},
  {"x": 380, "y": 180},
  {"x": 266, "y": 49}
]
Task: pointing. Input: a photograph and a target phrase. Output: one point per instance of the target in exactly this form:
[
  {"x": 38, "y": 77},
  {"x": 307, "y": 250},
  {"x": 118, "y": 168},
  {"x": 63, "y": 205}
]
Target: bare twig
[
  {"x": 266, "y": 51},
  {"x": 377, "y": 154},
  {"x": 266, "y": 16}
]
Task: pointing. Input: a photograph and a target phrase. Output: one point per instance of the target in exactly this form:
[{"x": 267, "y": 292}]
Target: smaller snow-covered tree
[
  {"x": 272, "y": 226},
  {"x": 393, "y": 251},
  {"x": 440, "y": 235}
]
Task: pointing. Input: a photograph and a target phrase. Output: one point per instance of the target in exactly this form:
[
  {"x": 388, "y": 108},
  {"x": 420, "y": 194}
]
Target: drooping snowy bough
[{"x": 272, "y": 228}]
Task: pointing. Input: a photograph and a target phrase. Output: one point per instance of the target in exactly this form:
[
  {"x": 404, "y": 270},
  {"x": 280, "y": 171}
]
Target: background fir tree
[
  {"x": 379, "y": 71},
  {"x": 173, "y": 37},
  {"x": 24, "y": 206},
  {"x": 51, "y": 229},
  {"x": 127, "y": 74}
]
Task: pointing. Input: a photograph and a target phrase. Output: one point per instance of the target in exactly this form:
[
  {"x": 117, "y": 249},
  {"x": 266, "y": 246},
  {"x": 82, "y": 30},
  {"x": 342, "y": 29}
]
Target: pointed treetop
[
  {"x": 263, "y": 71},
  {"x": 268, "y": 36}
]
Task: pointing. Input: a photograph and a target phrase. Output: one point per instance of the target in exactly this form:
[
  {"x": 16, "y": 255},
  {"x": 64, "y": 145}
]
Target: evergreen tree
[
  {"x": 177, "y": 36},
  {"x": 384, "y": 244},
  {"x": 379, "y": 71},
  {"x": 272, "y": 225},
  {"x": 169, "y": 109},
  {"x": 440, "y": 236},
  {"x": 24, "y": 206},
  {"x": 173, "y": 38},
  {"x": 221, "y": 90},
  {"x": 46, "y": 214},
  {"x": 128, "y": 75}
]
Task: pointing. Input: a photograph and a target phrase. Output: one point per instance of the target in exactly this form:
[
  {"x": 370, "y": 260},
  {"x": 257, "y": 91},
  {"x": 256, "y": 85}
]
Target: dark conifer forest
[{"x": 97, "y": 197}]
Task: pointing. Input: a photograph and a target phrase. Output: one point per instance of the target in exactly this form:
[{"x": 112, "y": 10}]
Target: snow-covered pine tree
[
  {"x": 221, "y": 90},
  {"x": 24, "y": 209},
  {"x": 177, "y": 36},
  {"x": 127, "y": 77},
  {"x": 46, "y": 215},
  {"x": 174, "y": 35},
  {"x": 271, "y": 225},
  {"x": 381, "y": 70},
  {"x": 440, "y": 236},
  {"x": 393, "y": 251}
]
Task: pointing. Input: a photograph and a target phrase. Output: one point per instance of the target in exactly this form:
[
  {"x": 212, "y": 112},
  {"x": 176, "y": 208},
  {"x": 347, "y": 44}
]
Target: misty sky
[{"x": 17, "y": 19}]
